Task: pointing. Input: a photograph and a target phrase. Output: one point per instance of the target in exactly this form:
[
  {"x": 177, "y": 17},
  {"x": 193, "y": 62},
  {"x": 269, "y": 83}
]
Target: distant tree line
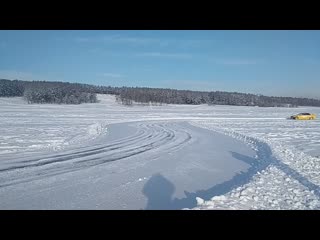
[
  {"x": 76, "y": 93},
  {"x": 160, "y": 95},
  {"x": 172, "y": 96},
  {"x": 11, "y": 88},
  {"x": 47, "y": 92}
]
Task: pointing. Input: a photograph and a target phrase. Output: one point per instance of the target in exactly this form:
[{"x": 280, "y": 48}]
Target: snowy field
[{"x": 109, "y": 156}]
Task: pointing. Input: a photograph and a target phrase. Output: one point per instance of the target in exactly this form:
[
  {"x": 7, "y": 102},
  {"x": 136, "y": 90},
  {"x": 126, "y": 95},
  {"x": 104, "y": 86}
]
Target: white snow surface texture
[{"x": 109, "y": 156}]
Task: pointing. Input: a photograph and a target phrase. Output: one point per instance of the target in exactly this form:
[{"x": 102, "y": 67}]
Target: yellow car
[{"x": 304, "y": 116}]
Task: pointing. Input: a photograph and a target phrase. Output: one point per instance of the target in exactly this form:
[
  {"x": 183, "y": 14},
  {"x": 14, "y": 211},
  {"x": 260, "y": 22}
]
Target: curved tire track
[{"x": 154, "y": 137}]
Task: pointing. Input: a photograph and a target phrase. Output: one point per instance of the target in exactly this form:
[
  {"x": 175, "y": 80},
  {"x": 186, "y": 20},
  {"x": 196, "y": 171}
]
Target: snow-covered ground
[
  {"x": 283, "y": 177},
  {"x": 109, "y": 156}
]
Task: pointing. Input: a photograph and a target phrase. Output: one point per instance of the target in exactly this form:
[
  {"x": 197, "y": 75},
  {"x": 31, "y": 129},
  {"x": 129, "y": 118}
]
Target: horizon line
[{"x": 258, "y": 94}]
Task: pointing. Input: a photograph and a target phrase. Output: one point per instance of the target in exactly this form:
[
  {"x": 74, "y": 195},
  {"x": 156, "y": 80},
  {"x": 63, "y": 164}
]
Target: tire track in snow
[{"x": 155, "y": 137}]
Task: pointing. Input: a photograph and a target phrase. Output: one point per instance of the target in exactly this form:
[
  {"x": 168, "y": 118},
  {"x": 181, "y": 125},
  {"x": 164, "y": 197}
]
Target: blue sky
[{"x": 275, "y": 63}]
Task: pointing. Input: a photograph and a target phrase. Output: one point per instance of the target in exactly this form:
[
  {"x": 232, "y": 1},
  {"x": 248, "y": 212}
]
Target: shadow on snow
[{"x": 160, "y": 190}]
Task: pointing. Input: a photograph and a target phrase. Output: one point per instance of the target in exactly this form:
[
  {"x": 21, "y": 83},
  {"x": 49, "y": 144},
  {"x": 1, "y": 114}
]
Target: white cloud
[
  {"x": 112, "y": 75},
  {"x": 236, "y": 61},
  {"x": 119, "y": 39},
  {"x": 12, "y": 75},
  {"x": 139, "y": 40},
  {"x": 83, "y": 39},
  {"x": 196, "y": 85},
  {"x": 135, "y": 40},
  {"x": 166, "y": 55}
]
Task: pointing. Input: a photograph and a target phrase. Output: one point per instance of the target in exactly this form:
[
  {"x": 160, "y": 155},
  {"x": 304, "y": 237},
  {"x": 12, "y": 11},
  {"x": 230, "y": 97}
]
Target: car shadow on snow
[
  {"x": 160, "y": 190},
  {"x": 237, "y": 180}
]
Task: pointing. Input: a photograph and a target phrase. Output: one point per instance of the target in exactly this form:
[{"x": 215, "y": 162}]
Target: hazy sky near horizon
[{"x": 275, "y": 63}]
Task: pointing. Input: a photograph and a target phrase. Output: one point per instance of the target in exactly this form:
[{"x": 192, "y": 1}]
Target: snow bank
[{"x": 289, "y": 180}]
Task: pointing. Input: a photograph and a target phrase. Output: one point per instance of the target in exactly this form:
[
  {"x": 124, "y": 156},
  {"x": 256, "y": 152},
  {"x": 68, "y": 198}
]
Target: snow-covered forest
[
  {"x": 47, "y": 92},
  {"x": 76, "y": 93}
]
